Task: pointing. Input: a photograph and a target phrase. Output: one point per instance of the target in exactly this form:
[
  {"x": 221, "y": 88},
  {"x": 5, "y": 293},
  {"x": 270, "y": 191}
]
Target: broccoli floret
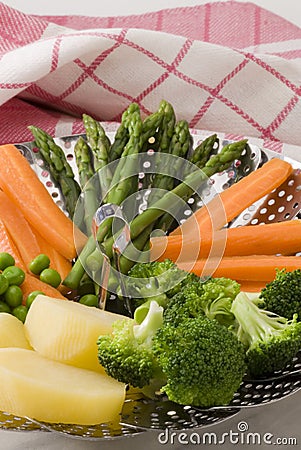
[
  {"x": 156, "y": 280},
  {"x": 271, "y": 341},
  {"x": 212, "y": 298},
  {"x": 203, "y": 362},
  {"x": 126, "y": 354},
  {"x": 283, "y": 295},
  {"x": 217, "y": 299}
]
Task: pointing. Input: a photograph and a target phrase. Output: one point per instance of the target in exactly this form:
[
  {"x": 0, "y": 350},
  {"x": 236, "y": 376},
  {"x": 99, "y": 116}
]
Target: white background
[{"x": 290, "y": 9}]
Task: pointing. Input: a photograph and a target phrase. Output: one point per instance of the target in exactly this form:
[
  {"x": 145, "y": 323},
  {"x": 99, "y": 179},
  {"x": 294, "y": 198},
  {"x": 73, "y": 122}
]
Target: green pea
[
  {"x": 3, "y": 284},
  {"x": 6, "y": 260},
  {"x": 89, "y": 300},
  {"x": 4, "y": 307},
  {"x": 51, "y": 276},
  {"x": 38, "y": 264},
  {"x": 14, "y": 274},
  {"x": 20, "y": 312},
  {"x": 31, "y": 297},
  {"x": 13, "y": 296}
]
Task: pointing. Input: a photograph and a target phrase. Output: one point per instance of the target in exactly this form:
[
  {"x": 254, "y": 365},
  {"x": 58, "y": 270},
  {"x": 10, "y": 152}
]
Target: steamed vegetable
[
  {"x": 248, "y": 268},
  {"x": 264, "y": 239},
  {"x": 217, "y": 163},
  {"x": 58, "y": 166},
  {"x": 283, "y": 294},
  {"x": 238, "y": 197},
  {"x": 271, "y": 341},
  {"x": 50, "y": 391},
  {"x": 203, "y": 362},
  {"x": 35, "y": 203},
  {"x": 88, "y": 185},
  {"x": 127, "y": 354},
  {"x": 8, "y": 247},
  {"x": 17, "y": 226},
  {"x": 195, "y": 361},
  {"x": 212, "y": 297}
]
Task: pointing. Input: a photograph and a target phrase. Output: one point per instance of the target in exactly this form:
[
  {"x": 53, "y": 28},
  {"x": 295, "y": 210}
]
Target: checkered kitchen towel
[{"x": 225, "y": 66}]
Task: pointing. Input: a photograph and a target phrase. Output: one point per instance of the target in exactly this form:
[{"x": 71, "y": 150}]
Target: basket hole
[
  {"x": 254, "y": 221},
  {"x": 289, "y": 198},
  {"x": 271, "y": 217},
  {"x": 295, "y": 205},
  {"x": 69, "y": 157},
  {"x": 281, "y": 209},
  {"x": 291, "y": 183},
  {"x": 271, "y": 202},
  {"x": 263, "y": 211}
]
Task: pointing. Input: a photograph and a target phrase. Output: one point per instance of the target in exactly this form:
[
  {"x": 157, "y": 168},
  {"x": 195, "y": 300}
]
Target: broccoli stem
[
  {"x": 256, "y": 324},
  {"x": 146, "y": 330}
]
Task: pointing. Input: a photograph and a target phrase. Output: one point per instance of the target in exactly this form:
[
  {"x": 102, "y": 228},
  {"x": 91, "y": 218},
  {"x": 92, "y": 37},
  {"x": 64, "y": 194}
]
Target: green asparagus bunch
[
  {"x": 134, "y": 136},
  {"x": 59, "y": 168}
]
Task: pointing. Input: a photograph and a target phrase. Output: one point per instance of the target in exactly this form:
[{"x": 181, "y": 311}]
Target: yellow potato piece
[
  {"x": 67, "y": 331},
  {"x": 49, "y": 391},
  {"x": 12, "y": 333}
]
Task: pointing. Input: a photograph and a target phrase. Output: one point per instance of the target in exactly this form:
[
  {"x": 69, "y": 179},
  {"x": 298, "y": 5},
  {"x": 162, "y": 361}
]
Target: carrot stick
[
  {"x": 265, "y": 239},
  {"x": 8, "y": 245},
  {"x": 32, "y": 283},
  {"x": 19, "y": 229},
  {"x": 232, "y": 201},
  {"x": 23, "y": 187},
  {"x": 252, "y": 268}
]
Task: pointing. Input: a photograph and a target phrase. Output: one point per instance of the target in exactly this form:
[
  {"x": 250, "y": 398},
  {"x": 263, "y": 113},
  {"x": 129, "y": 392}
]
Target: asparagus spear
[
  {"x": 193, "y": 181},
  {"x": 165, "y": 131},
  {"x": 100, "y": 147},
  {"x": 75, "y": 275},
  {"x": 122, "y": 134},
  {"x": 204, "y": 150},
  {"x": 123, "y": 183},
  {"x": 86, "y": 172},
  {"x": 59, "y": 168},
  {"x": 179, "y": 146},
  {"x": 199, "y": 157}
]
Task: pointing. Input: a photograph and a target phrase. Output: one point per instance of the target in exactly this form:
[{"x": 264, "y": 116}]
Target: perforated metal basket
[{"x": 140, "y": 414}]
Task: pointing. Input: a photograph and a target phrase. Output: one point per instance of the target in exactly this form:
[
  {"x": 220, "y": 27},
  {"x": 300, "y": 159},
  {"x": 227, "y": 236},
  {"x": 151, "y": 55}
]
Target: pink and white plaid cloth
[{"x": 229, "y": 67}]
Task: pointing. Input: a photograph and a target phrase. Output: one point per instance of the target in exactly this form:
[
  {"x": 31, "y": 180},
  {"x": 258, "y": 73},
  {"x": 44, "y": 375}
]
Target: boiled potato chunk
[
  {"x": 67, "y": 331},
  {"x": 49, "y": 391},
  {"x": 12, "y": 332}
]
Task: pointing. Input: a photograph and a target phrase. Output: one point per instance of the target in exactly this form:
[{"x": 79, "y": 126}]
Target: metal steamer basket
[{"x": 140, "y": 414}]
